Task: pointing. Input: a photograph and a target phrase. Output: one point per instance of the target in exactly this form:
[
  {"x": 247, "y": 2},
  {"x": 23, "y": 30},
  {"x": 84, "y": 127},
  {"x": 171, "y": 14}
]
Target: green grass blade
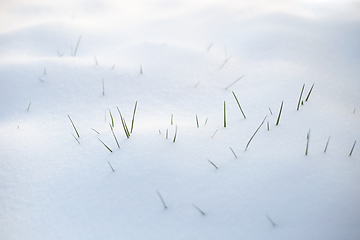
[
  {"x": 133, "y": 118},
  {"x": 105, "y": 145},
  {"x": 73, "y": 126},
  {"x": 197, "y": 121},
  {"x": 175, "y": 133},
  {"x": 302, "y": 90},
  {"x": 247, "y": 145},
  {"x": 235, "y": 80},
  {"x": 278, "y": 119},
  {"x": 77, "y": 45},
  {"x": 224, "y": 115},
  {"x": 124, "y": 124},
  {"x": 309, "y": 92},
  {"x": 238, "y": 104}
]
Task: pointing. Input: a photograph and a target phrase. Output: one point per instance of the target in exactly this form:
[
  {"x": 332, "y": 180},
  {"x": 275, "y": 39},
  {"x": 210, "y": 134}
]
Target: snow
[{"x": 54, "y": 188}]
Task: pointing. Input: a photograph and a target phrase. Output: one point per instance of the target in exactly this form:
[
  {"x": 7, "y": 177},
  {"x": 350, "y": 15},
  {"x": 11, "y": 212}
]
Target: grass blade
[
  {"x": 213, "y": 164},
  {"x": 278, "y": 119},
  {"x": 162, "y": 200},
  {"x": 95, "y": 131},
  {"x": 224, "y": 115},
  {"x": 77, "y": 45},
  {"x": 235, "y": 80},
  {"x": 233, "y": 152},
  {"x": 352, "y": 149},
  {"x": 112, "y": 119},
  {"x": 307, "y": 143},
  {"x": 28, "y": 107},
  {"x": 255, "y": 133},
  {"x": 172, "y": 117},
  {"x": 309, "y": 92},
  {"x": 197, "y": 121},
  {"x": 103, "y": 87},
  {"x": 75, "y": 138},
  {"x": 270, "y": 110},
  {"x": 327, "y": 143},
  {"x": 133, "y": 118},
  {"x": 238, "y": 104},
  {"x": 302, "y": 90},
  {"x": 96, "y": 62},
  {"x": 226, "y": 60},
  {"x": 270, "y": 220},
  {"x": 73, "y": 126},
  {"x": 213, "y": 134},
  {"x": 199, "y": 209},
  {"x": 112, "y": 130},
  {"x": 105, "y": 145},
  {"x": 175, "y": 133},
  {"x": 111, "y": 167},
  {"x": 124, "y": 124}
]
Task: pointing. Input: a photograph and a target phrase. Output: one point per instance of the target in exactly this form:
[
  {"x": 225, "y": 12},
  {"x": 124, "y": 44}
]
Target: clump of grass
[
  {"x": 28, "y": 107},
  {"x": 307, "y": 143},
  {"x": 112, "y": 130},
  {"x": 213, "y": 164},
  {"x": 233, "y": 152},
  {"x": 133, "y": 118},
  {"x": 352, "y": 149},
  {"x": 235, "y": 80},
  {"x": 162, "y": 200},
  {"x": 199, "y": 209},
  {"x": 302, "y": 90},
  {"x": 175, "y": 133},
  {"x": 238, "y": 104},
  {"x": 111, "y": 167},
  {"x": 255, "y": 133},
  {"x": 327, "y": 143},
  {"x": 224, "y": 115},
  {"x": 309, "y": 92},
  {"x": 126, "y": 130},
  {"x": 278, "y": 119},
  {"x": 105, "y": 145},
  {"x": 77, "y": 133},
  {"x": 270, "y": 220},
  {"x": 197, "y": 121}
]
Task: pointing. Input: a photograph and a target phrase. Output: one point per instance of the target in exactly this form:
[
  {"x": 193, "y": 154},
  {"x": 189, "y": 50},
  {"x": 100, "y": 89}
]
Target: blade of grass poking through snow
[
  {"x": 270, "y": 220},
  {"x": 96, "y": 62},
  {"x": 175, "y": 133},
  {"x": 278, "y": 119},
  {"x": 112, "y": 119},
  {"x": 270, "y": 110},
  {"x": 226, "y": 60},
  {"x": 213, "y": 164},
  {"x": 268, "y": 125},
  {"x": 28, "y": 107},
  {"x": 133, "y": 118},
  {"x": 235, "y": 81},
  {"x": 309, "y": 92},
  {"x": 140, "y": 69},
  {"x": 95, "y": 131},
  {"x": 112, "y": 130},
  {"x": 213, "y": 134},
  {"x": 302, "y": 90},
  {"x": 199, "y": 209},
  {"x": 197, "y": 121},
  {"x": 167, "y": 133},
  {"x": 111, "y": 167},
  {"x": 327, "y": 143},
  {"x": 162, "y": 200},
  {"x": 255, "y": 132},
  {"x": 238, "y": 104},
  {"x": 307, "y": 143},
  {"x": 124, "y": 124},
  {"x": 224, "y": 115},
  {"x": 172, "y": 117},
  {"x": 233, "y": 152},
  {"x": 75, "y": 138},
  {"x": 103, "y": 87},
  {"x": 73, "y": 126},
  {"x": 105, "y": 145},
  {"x": 77, "y": 45},
  {"x": 352, "y": 149},
  {"x": 206, "y": 121}
]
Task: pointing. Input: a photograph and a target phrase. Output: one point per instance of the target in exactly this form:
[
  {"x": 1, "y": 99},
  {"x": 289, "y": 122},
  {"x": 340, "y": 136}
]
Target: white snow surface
[{"x": 52, "y": 187}]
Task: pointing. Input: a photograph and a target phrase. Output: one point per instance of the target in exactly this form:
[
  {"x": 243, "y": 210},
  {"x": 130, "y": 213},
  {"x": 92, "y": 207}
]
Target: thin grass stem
[
  {"x": 28, "y": 107},
  {"x": 302, "y": 90},
  {"x": 199, "y": 209},
  {"x": 77, "y": 45},
  {"x": 270, "y": 110},
  {"x": 95, "y": 131},
  {"x": 105, "y": 145},
  {"x": 224, "y": 115},
  {"x": 112, "y": 130},
  {"x": 327, "y": 143},
  {"x": 74, "y": 126},
  {"x": 247, "y": 145},
  {"x": 75, "y": 138},
  {"x": 233, "y": 152},
  {"x": 270, "y": 220},
  {"x": 111, "y": 167},
  {"x": 307, "y": 142},
  {"x": 162, "y": 200},
  {"x": 214, "y": 134},
  {"x": 197, "y": 121},
  {"x": 352, "y": 149},
  {"x": 175, "y": 133},
  {"x": 309, "y": 92},
  {"x": 238, "y": 104},
  {"x": 278, "y": 119},
  {"x": 235, "y": 81},
  {"x": 124, "y": 124},
  {"x": 96, "y": 62},
  {"x": 133, "y": 118},
  {"x": 213, "y": 164}
]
